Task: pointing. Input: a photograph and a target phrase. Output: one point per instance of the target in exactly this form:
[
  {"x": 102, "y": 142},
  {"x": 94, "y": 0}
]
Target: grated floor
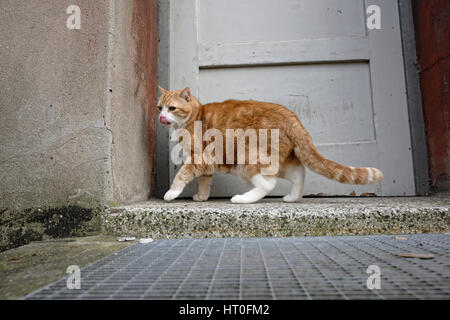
[{"x": 266, "y": 268}]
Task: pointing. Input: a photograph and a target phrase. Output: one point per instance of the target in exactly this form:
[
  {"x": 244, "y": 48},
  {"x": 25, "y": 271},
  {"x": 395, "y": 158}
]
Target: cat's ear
[
  {"x": 186, "y": 94},
  {"x": 162, "y": 89}
]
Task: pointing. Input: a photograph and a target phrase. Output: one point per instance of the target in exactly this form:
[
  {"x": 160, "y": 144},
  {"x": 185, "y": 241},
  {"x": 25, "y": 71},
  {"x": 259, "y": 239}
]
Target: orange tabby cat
[{"x": 295, "y": 147}]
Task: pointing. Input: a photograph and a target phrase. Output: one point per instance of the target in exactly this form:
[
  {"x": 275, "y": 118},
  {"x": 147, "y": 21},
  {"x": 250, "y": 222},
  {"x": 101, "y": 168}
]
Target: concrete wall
[
  {"x": 74, "y": 119},
  {"x": 134, "y": 99},
  {"x": 432, "y": 26}
]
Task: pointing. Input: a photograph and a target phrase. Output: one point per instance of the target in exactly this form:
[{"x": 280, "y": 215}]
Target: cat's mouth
[{"x": 164, "y": 120}]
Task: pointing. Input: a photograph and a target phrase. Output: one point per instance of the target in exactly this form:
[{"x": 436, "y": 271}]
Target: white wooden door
[{"x": 316, "y": 57}]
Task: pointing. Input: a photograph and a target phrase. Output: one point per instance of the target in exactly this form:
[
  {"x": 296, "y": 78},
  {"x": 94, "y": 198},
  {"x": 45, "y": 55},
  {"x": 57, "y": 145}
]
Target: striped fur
[
  {"x": 309, "y": 156},
  {"x": 296, "y": 148}
]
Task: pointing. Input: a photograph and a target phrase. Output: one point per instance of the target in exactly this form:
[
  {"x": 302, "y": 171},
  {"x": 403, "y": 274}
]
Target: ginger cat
[{"x": 295, "y": 147}]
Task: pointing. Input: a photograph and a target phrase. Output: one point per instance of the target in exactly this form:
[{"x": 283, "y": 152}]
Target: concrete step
[{"x": 273, "y": 217}]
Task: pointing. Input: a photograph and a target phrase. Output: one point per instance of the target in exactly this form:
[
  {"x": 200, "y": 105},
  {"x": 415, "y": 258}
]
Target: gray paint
[
  {"x": 184, "y": 63},
  {"x": 65, "y": 139},
  {"x": 417, "y": 125},
  {"x": 390, "y": 104},
  {"x": 275, "y": 56}
]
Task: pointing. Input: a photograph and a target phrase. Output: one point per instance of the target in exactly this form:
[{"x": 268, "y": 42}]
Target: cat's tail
[{"x": 309, "y": 156}]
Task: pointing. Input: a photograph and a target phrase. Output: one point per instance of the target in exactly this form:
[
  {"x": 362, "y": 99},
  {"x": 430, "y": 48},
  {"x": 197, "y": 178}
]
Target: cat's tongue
[{"x": 163, "y": 120}]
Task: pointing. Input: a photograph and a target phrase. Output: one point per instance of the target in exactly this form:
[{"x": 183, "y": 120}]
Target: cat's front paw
[
  {"x": 240, "y": 198},
  {"x": 290, "y": 198},
  {"x": 198, "y": 197},
  {"x": 171, "y": 195}
]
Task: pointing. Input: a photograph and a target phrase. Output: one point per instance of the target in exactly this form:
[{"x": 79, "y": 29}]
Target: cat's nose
[{"x": 163, "y": 120}]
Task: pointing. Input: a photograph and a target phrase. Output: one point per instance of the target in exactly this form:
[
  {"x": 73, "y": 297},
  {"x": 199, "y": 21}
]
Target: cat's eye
[
  {"x": 172, "y": 108},
  {"x": 159, "y": 108}
]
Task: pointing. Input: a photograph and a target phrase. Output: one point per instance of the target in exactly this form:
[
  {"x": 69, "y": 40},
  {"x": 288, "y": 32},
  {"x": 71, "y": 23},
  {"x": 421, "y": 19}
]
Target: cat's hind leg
[
  {"x": 296, "y": 175},
  {"x": 204, "y": 186},
  {"x": 262, "y": 186}
]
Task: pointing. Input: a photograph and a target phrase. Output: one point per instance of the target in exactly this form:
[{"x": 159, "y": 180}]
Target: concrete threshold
[{"x": 273, "y": 217}]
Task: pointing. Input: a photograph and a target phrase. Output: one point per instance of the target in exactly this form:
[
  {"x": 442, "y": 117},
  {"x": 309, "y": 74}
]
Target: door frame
[{"x": 414, "y": 99}]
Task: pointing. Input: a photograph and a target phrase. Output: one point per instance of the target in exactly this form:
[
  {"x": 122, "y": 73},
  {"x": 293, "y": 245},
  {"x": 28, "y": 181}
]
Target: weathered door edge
[
  {"x": 414, "y": 99},
  {"x": 185, "y": 71},
  {"x": 162, "y": 161}
]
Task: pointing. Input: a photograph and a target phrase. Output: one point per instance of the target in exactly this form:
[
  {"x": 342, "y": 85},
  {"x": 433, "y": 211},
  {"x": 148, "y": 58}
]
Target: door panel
[
  {"x": 345, "y": 83},
  {"x": 238, "y": 21},
  {"x": 326, "y": 113}
]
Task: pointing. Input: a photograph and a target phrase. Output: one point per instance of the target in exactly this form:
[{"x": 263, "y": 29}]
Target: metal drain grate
[{"x": 266, "y": 268}]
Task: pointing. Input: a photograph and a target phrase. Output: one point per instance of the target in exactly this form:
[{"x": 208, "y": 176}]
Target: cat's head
[{"x": 176, "y": 107}]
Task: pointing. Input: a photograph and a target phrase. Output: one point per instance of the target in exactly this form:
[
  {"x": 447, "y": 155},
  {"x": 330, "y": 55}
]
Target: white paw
[
  {"x": 240, "y": 198},
  {"x": 171, "y": 194},
  {"x": 196, "y": 197},
  {"x": 290, "y": 198}
]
